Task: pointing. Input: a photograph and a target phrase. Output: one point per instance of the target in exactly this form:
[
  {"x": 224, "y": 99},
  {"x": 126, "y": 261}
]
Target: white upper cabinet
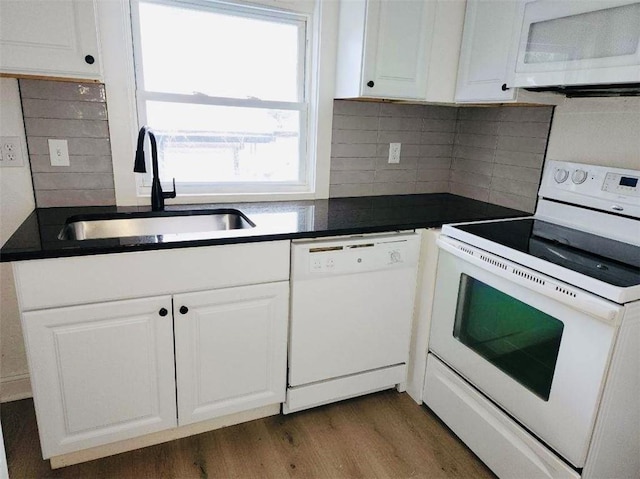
[
  {"x": 49, "y": 38},
  {"x": 487, "y": 55},
  {"x": 398, "y": 49}
]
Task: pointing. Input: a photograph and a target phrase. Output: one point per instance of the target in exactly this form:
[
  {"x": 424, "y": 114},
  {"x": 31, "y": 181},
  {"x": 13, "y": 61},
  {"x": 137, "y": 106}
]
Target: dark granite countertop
[{"x": 37, "y": 237}]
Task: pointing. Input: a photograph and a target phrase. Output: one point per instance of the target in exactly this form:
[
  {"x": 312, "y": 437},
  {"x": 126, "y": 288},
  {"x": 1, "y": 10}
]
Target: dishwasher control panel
[{"x": 354, "y": 255}]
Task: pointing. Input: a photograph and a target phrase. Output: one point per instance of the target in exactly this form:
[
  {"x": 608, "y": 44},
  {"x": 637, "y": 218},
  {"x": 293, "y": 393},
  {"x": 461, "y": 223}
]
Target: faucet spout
[{"x": 157, "y": 195}]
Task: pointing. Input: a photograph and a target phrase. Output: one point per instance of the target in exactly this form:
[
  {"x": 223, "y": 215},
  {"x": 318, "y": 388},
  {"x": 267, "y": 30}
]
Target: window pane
[
  {"x": 191, "y": 50},
  {"x": 213, "y": 144},
  {"x": 520, "y": 340}
]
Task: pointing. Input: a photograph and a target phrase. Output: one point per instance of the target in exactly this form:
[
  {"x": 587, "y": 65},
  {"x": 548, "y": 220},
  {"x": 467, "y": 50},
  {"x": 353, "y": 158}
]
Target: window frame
[{"x": 306, "y": 160}]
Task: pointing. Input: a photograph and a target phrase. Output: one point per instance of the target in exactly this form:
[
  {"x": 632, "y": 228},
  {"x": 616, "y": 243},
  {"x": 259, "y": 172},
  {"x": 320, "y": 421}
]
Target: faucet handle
[{"x": 170, "y": 194}]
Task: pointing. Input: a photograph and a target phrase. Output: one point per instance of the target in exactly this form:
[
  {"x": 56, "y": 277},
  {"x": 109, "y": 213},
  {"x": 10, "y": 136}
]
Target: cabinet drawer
[{"x": 49, "y": 283}]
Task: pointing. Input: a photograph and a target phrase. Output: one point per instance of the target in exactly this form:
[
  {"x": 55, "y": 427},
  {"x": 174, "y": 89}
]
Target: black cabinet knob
[
  {"x": 184, "y": 310},
  {"x": 504, "y": 87},
  {"x": 370, "y": 84},
  {"x": 163, "y": 312},
  {"x": 89, "y": 59}
]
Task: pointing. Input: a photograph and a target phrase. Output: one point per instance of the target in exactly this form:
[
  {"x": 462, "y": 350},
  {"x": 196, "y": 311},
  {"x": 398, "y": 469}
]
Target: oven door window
[{"x": 520, "y": 340}]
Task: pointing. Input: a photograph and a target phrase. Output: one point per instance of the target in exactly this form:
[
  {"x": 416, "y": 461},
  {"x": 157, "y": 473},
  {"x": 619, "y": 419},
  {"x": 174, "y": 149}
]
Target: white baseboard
[{"x": 14, "y": 388}]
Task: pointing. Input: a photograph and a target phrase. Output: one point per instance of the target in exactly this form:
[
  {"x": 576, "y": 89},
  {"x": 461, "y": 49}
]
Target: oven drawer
[{"x": 505, "y": 447}]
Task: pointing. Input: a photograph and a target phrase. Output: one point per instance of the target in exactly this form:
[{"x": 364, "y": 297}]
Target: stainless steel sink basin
[{"x": 122, "y": 225}]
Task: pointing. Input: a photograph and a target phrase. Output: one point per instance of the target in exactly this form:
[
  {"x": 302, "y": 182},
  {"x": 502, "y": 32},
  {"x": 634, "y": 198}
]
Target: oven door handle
[{"x": 570, "y": 296}]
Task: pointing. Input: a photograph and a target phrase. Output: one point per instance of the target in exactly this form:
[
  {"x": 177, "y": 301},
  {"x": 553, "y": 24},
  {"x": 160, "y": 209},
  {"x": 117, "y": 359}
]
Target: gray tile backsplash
[
  {"x": 76, "y": 112},
  {"x": 491, "y": 154}
]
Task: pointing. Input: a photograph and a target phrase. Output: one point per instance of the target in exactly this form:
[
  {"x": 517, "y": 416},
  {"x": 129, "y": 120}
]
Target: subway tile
[
  {"x": 432, "y": 187},
  {"x": 395, "y": 176},
  {"x": 513, "y": 201},
  {"x": 526, "y": 145},
  {"x": 410, "y": 137},
  {"x": 353, "y": 151},
  {"x": 520, "y": 188},
  {"x": 434, "y": 174},
  {"x": 488, "y": 113},
  {"x": 62, "y": 90},
  {"x": 518, "y": 173},
  {"x": 475, "y": 127},
  {"x": 342, "y": 122},
  {"x": 436, "y": 112},
  {"x": 338, "y": 164},
  {"x": 434, "y": 163},
  {"x": 472, "y": 166},
  {"x": 524, "y": 128},
  {"x": 347, "y": 177},
  {"x": 390, "y": 123},
  {"x": 394, "y": 188},
  {"x": 479, "y": 141},
  {"x": 532, "y": 113},
  {"x": 52, "y": 198},
  {"x": 473, "y": 179},
  {"x": 435, "y": 151},
  {"x": 436, "y": 138},
  {"x": 516, "y": 158},
  {"x": 80, "y": 164},
  {"x": 473, "y": 153},
  {"x": 401, "y": 110},
  {"x": 77, "y": 146},
  {"x": 354, "y": 136},
  {"x": 56, "y": 128},
  {"x": 406, "y": 163},
  {"x": 356, "y": 108},
  {"x": 468, "y": 191},
  {"x": 70, "y": 110},
  {"x": 406, "y": 150},
  {"x": 72, "y": 181},
  {"x": 442, "y": 126},
  {"x": 341, "y": 191}
]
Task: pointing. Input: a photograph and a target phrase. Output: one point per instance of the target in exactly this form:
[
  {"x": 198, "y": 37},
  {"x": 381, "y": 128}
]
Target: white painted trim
[
  {"x": 117, "y": 55},
  {"x": 14, "y": 388},
  {"x": 162, "y": 436}
]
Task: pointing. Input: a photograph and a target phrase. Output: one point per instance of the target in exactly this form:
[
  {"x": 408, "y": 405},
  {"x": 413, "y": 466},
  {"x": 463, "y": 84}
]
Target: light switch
[
  {"x": 59, "y": 152},
  {"x": 394, "y": 152}
]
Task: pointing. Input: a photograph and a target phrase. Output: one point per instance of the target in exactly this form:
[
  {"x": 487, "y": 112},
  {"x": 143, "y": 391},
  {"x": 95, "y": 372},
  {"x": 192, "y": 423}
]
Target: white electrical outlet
[
  {"x": 11, "y": 151},
  {"x": 394, "y": 152},
  {"x": 59, "y": 152}
]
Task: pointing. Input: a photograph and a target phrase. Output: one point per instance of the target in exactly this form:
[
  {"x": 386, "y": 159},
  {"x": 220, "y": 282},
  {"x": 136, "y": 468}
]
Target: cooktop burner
[{"x": 604, "y": 259}]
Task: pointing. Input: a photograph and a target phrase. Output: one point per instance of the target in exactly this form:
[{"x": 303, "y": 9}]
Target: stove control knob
[
  {"x": 561, "y": 175},
  {"x": 579, "y": 177}
]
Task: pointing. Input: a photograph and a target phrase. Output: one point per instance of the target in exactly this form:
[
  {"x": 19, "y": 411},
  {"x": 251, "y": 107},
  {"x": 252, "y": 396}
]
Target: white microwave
[{"x": 579, "y": 42}]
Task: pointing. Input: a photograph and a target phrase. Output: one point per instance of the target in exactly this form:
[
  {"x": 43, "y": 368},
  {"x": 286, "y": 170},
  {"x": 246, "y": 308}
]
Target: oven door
[{"x": 535, "y": 346}]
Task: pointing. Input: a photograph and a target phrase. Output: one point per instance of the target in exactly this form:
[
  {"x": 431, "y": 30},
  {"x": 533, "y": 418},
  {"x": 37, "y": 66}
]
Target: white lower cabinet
[
  {"x": 231, "y": 350},
  {"x": 141, "y": 344},
  {"x": 101, "y": 372}
]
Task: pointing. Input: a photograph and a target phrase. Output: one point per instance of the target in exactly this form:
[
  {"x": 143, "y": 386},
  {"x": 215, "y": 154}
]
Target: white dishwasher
[{"x": 351, "y": 311}]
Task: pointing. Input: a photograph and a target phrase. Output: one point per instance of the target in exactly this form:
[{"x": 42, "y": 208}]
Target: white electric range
[{"x": 534, "y": 348}]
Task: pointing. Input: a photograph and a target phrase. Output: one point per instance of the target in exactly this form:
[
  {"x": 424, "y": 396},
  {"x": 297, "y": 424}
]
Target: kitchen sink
[{"x": 122, "y": 225}]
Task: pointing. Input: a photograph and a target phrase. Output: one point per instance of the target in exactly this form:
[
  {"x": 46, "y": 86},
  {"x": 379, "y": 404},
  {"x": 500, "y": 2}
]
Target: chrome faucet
[{"x": 157, "y": 195}]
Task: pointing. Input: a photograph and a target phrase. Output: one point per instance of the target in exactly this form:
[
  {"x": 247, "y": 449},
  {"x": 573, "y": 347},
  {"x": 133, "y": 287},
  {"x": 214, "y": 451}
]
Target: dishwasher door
[{"x": 351, "y": 306}]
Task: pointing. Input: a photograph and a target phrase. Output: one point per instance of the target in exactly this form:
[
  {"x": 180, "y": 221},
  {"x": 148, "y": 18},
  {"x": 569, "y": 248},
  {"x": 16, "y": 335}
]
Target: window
[{"x": 223, "y": 86}]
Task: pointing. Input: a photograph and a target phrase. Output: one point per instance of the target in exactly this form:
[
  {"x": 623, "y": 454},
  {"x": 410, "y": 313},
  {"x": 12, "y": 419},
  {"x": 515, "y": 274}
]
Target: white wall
[
  {"x": 598, "y": 131},
  {"x": 16, "y": 203}
]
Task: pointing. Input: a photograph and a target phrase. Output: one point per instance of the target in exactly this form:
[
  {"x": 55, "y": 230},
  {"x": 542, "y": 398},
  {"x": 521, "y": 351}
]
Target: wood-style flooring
[{"x": 383, "y": 435}]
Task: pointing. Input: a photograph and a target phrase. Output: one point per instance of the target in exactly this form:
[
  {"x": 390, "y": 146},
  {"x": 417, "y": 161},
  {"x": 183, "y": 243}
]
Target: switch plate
[
  {"x": 11, "y": 151},
  {"x": 59, "y": 152},
  {"x": 394, "y": 152}
]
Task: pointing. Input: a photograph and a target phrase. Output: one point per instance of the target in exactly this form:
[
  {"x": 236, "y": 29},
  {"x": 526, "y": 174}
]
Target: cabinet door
[
  {"x": 396, "y": 55},
  {"x": 101, "y": 372},
  {"x": 488, "y": 48},
  {"x": 231, "y": 348},
  {"x": 46, "y": 37}
]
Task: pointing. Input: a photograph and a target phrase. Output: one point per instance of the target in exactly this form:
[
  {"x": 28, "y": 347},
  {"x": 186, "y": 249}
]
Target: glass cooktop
[{"x": 601, "y": 258}]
